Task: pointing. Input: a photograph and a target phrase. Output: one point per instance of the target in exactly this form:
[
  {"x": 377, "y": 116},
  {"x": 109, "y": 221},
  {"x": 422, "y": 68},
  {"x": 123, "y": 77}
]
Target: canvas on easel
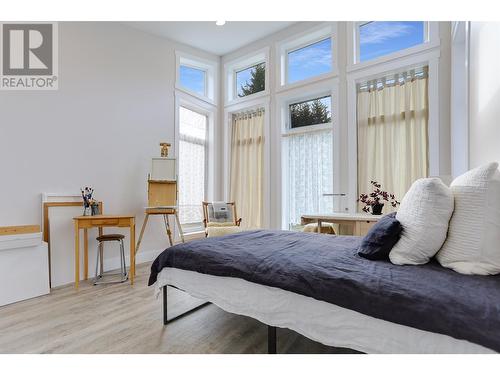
[{"x": 163, "y": 169}]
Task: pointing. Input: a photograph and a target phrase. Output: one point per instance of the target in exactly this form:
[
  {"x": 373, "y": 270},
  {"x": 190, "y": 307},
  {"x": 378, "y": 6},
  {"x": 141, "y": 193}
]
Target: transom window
[
  {"x": 311, "y": 112},
  {"x": 309, "y": 61},
  {"x": 193, "y": 79},
  {"x": 251, "y": 80},
  {"x": 380, "y": 38},
  {"x": 246, "y": 76}
]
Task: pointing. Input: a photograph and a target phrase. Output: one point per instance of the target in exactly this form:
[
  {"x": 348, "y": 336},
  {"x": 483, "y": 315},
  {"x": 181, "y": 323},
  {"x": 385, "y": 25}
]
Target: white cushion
[
  {"x": 217, "y": 231},
  {"x": 473, "y": 243},
  {"x": 424, "y": 214}
]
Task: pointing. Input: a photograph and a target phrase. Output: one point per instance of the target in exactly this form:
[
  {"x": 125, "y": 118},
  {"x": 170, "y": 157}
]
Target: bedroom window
[
  {"x": 310, "y": 112},
  {"x": 247, "y": 77},
  {"x": 380, "y": 38},
  {"x": 193, "y": 132},
  {"x": 251, "y": 80},
  {"x": 308, "y": 154},
  {"x": 309, "y": 61},
  {"x": 193, "y": 79},
  {"x": 197, "y": 76},
  {"x": 392, "y": 116}
]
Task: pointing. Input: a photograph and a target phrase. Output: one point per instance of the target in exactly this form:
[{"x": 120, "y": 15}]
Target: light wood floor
[{"x": 119, "y": 318}]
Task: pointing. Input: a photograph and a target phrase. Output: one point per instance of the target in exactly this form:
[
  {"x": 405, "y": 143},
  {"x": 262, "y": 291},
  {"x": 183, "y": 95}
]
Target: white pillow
[
  {"x": 424, "y": 214},
  {"x": 216, "y": 231},
  {"x": 473, "y": 243}
]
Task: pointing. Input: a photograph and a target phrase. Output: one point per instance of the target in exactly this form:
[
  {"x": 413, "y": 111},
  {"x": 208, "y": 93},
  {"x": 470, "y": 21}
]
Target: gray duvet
[{"x": 327, "y": 268}]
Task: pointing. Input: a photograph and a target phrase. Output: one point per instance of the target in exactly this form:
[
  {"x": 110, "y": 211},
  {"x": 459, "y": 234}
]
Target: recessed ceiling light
[{"x": 220, "y": 23}]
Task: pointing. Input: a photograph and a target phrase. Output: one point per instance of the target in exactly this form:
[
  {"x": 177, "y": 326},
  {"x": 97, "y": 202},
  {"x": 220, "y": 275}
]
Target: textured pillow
[
  {"x": 424, "y": 214},
  {"x": 473, "y": 243},
  {"x": 380, "y": 239},
  {"x": 217, "y": 231}
]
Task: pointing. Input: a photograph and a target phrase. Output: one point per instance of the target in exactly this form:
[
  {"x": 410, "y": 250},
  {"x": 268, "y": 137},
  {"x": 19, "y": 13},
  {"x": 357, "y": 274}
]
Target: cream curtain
[
  {"x": 247, "y": 149},
  {"x": 392, "y": 133}
]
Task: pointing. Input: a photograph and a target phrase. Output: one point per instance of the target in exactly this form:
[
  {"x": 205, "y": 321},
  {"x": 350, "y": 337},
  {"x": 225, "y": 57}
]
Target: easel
[
  {"x": 165, "y": 212},
  {"x": 162, "y": 194}
]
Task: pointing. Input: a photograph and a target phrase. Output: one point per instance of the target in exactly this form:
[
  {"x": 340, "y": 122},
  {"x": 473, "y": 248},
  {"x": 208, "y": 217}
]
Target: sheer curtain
[
  {"x": 392, "y": 117},
  {"x": 310, "y": 173},
  {"x": 247, "y": 151},
  {"x": 192, "y": 168}
]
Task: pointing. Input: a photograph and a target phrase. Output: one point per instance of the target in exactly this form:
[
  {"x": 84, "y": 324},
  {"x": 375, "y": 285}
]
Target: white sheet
[{"x": 320, "y": 321}]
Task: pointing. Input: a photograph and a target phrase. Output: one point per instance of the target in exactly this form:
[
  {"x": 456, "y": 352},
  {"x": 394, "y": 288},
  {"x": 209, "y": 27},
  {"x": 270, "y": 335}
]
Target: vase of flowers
[{"x": 374, "y": 201}]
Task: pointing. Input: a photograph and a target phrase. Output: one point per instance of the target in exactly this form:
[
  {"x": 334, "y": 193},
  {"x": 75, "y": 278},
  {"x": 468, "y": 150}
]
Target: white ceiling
[{"x": 209, "y": 37}]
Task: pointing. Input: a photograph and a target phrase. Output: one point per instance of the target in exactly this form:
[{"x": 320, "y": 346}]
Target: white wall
[
  {"x": 459, "y": 98},
  {"x": 484, "y": 93},
  {"x": 444, "y": 98},
  {"x": 115, "y": 103}
]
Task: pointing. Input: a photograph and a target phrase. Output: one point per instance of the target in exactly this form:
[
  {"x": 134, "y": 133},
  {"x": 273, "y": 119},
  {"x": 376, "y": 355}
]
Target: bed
[{"x": 318, "y": 286}]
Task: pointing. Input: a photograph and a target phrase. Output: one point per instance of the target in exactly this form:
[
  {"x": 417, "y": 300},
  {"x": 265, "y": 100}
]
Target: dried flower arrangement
[{"x": 375, "y": 199}]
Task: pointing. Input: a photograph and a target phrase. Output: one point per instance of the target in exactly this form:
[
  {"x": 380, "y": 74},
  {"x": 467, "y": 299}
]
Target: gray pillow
[{"x": 380, "y": 239}]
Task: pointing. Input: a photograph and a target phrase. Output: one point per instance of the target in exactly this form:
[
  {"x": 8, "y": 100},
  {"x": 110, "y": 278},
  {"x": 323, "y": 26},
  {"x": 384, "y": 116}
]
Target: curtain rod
[
  {"x": 393, "y": 79},
  {"x": 249, "y": 112}
]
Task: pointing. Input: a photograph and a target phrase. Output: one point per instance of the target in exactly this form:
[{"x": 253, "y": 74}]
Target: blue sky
[
  {"x": 376, "y": 39},
  {"x": 243, "y": 77},
  {"x": 380, "y": 38},
  {"x": 192, "y": 79},
  {"x": 310, "y": 61}
]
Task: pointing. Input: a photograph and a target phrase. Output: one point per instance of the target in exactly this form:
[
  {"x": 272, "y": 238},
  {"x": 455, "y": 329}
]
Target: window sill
[
  {"x": 421, "y": 48},
  {"x": 306, "y": 82},
  {"x": 206, "y": 99},
  {"x": 308, "y": 129},
  {"x": 247, "y": 98}
]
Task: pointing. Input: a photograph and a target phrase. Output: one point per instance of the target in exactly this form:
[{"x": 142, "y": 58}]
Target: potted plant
[{"x": 374, "y": 201}]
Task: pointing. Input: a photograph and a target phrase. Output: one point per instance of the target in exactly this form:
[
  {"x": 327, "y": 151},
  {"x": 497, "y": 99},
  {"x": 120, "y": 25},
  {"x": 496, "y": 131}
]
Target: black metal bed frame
[{"x": 271, "y": 331}]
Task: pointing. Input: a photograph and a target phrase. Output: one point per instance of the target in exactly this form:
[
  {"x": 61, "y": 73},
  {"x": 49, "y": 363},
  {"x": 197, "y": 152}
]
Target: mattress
[
  {"x": 318, "y": 320},
  {"x": 328, "y": 268}
]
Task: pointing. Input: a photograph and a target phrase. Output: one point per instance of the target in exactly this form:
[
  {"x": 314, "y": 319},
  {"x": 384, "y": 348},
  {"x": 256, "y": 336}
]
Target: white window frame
[
  {"x": 429, "y": 58},
  {"x": 249, "y": 105},
  {"x": 459, "y": 119},
  {"x": 200, "y": 106},
  {"x": 301, "y": 40},
  {"x": 211, "y": 76},
  {"x": 431, "y": 31},
  {"x": 323, "y": 88},
  {"x": 239, "y": 64}
]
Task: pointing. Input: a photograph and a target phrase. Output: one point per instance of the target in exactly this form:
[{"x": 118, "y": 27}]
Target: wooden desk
[
  {"x": 100, "y": 221},
  {"x": 361, "y": 222}
]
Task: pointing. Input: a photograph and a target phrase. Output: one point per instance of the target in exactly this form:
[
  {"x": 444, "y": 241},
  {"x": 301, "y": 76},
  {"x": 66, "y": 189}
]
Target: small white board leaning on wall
[{"x": 24, "y": 271}]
